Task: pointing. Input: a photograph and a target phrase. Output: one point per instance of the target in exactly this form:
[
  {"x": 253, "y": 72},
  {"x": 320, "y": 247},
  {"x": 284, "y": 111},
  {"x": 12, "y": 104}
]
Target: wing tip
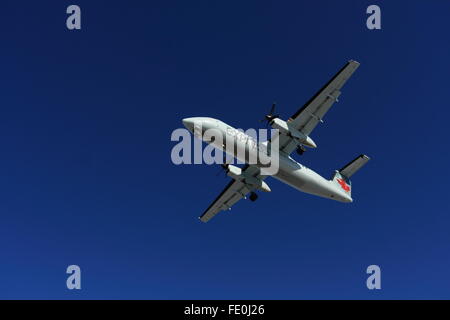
[
  {"x": 364, "y": 156},
  {"x": 354, "y": 63}
]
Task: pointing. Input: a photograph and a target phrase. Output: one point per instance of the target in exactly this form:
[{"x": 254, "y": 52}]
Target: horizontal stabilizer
[{"x": 348, "y": 170}]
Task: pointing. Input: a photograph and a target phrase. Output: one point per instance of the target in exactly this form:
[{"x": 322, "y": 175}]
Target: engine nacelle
[
  {"x": 236, "y": 173},
  {"x": 258, "y": 183},
  {"x": 281, "y": 125},
  {"x": 287, "y": 129}
]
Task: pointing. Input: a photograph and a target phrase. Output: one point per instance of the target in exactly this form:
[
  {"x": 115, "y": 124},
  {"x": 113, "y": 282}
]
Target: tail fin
[{"x": 342, "y": 177}]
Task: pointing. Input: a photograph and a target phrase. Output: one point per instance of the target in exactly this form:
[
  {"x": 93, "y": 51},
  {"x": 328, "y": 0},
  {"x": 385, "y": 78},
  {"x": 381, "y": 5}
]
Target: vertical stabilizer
[{"x": 342, "y": 177}]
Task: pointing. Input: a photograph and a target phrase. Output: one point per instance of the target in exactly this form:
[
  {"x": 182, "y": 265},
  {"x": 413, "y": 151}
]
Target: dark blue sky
[{"x": 86, "y": 175}]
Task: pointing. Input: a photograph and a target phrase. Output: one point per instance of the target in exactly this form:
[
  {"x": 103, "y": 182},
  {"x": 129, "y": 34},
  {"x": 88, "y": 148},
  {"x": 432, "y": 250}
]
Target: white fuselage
[{"x": 289, "y": 171}]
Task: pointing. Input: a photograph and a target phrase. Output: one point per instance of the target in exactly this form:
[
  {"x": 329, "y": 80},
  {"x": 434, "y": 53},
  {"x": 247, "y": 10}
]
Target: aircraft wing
[
  {"x": 308, "y": 116},
  {"x": 233, "y": 192}
]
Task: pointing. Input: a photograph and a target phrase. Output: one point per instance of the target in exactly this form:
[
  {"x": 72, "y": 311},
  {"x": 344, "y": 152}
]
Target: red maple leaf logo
[{"x": 344, "y": 185}]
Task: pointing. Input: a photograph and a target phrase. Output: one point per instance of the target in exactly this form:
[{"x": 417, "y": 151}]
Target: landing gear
[
  {"x": 253, "y": 196},
  {"x": 301, "y": 149}
]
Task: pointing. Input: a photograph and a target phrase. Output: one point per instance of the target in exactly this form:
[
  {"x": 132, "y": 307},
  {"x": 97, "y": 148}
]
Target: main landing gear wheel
[
  {"x": 253, "y": 196},
  {"x": 301, "y": 150}
]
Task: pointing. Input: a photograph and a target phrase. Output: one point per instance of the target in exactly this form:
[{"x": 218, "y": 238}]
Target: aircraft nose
[{"x": 189, "y": 123}]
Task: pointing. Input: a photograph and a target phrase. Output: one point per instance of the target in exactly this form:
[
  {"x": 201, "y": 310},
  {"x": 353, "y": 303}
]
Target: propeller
[{"x": 271, "y": 116}]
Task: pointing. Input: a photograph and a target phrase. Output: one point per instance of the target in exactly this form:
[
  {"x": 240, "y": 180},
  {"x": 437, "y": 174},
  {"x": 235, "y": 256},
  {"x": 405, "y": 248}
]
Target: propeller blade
[
  {"x": 272, "y": 109},
  {"x": 270, "y": 117}
]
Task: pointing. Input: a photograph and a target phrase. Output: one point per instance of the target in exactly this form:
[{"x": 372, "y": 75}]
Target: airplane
[{"x": 293, "y": 134}]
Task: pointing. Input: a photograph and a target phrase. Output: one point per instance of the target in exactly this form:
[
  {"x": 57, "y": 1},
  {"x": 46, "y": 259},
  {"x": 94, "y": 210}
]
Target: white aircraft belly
[{"x": 294, "y": 174}]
